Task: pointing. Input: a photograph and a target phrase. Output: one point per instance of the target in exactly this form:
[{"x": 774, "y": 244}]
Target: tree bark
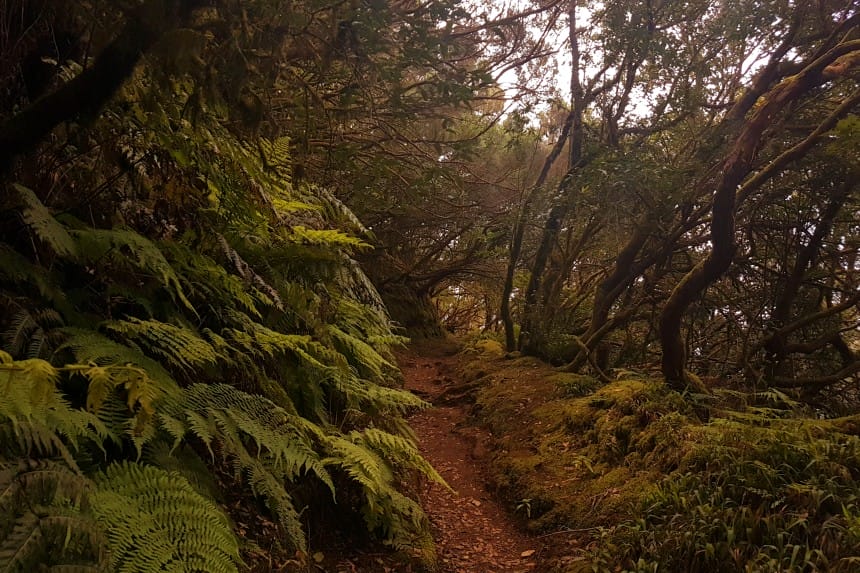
[
  {"x": 90, "y": 90},
  {"x": 776, "y": 346},
  {"x": 519, "y": 231},
  {"x": 559, "y": 210},
  {"x": 734, "y": 169}
]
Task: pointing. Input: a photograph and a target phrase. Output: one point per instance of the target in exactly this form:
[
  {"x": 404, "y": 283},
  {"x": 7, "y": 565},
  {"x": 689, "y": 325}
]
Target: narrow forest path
[{"x": 473, "y": 532}]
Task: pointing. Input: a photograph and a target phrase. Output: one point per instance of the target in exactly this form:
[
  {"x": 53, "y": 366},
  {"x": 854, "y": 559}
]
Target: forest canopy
[{"x": 218, "y": 219}]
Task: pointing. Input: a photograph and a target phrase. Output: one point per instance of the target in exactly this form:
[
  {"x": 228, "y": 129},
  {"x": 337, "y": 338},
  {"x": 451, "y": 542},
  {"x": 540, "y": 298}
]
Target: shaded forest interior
[{"x": 219, "y": 219}]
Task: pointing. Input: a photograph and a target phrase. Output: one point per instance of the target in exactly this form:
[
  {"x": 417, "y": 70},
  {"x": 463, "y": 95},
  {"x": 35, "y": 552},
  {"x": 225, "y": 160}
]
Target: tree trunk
[
  {"x": 510, "y": 272},
  {"x": 90, "y": 90},
  {"x": 559, "y": 210},
  {"x": 734, "y": 169}
]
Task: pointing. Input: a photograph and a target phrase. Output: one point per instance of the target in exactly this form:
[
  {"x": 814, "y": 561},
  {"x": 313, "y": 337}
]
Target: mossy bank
[{"x": 632, "y": 476}]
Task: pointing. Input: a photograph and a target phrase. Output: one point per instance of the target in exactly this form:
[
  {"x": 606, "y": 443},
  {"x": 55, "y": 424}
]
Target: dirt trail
[{"x": 473, "y": 532}]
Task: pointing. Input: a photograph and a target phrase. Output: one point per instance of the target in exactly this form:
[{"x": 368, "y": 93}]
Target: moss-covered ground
[{"x": 629, "y": 477}]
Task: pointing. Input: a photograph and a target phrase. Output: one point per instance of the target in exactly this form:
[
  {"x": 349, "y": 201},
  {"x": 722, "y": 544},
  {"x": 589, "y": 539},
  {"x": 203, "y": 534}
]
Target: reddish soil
[{"x": 473, "y": 531}]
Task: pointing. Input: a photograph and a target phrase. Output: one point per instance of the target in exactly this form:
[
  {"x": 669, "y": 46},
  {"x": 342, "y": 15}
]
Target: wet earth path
[{"x": 473, "y": 532}]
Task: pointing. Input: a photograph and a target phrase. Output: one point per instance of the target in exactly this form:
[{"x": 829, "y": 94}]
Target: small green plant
[{"x": 575, "y": 385}]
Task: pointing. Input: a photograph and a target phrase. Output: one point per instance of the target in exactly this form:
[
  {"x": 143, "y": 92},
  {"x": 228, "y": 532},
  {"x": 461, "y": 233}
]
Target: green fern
[
  {"x": 362, "y": 464},
  {"x": 283, "y": 444},
  {"x": 35, "y": 417},
  {"x": 257, "y": 339},
  {"x": 123, "y": 384},
  {"x": 173, "y": 345},
  {"x": 261, "y": 293},
  {"x": 41, "y": 498},
  {"x": 41, "y": 518},
  {"x": 155, "y": 521},
  {"x": 248, "y": 274},
  {"x": 88, "y": 346},
  {"x": 17, "y": 270},
  {"x": 130, "y": 249},
  {"x": 336, "y": 211},
  {"x": 400, "y": 451},
  {"x": 208, "y": 284},
  {"x": 361, "y": 356},
  {"x": 185, "y": 461},
  {"x": 32, "y": 333},
  {"x": 374, "y": 399},
  {"x": 44, "y": 225},
  {"x": 276, "y": 156},
  {"x": 364, "y": 456},
  {"x": 330, "y": 238}
]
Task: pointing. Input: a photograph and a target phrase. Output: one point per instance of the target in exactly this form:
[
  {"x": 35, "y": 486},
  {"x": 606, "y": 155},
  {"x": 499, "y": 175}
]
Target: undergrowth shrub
[
  {"x": 776, "y": 495},
  {"x": 763, "y": 485}
]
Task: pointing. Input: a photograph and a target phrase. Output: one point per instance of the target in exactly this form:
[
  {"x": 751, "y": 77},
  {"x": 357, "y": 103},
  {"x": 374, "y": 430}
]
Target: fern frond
[
  {"x": 21, "y": 328},
  {"x": 276, "y": 157},
  {"x": 360, "y": 355},
  {"x": 259, "y": 340},
  {"x": 264, "y": 484},
  {"x": 35, "y": 416},
  {"x": 88, "y": 346},
  {"x": 173, "y": 345},
  {"x": 31, "y": 333},
  {"x": 375, "y": 399},
  {"x": 138, "y": 396},
  {"x": 184, "y": 460},
  {"x": 44, "y": 225},
  {"x": 283, "y": 442},
  {"x": 402, "y": 522},
  {"x": 130, "y": 250},
  {"x": 52, "y": 540},
  {"x": 337, "y": 212},
  {"x": 400, "y": 451},
  {"x": 248, "y": 274},
  {"x": 40, "y": 519},
  {"x": 18, "y": 270},
  {"x": 155, "y": 521},
  {"x": 330, "y": 238},
  {"x": 209, "y": 284},
  {"x": 364, "y": 457},
  {"x": 238, "y": 418},
  {"x": 361, "y": 463},
  {"x": 355, "y": 284}
]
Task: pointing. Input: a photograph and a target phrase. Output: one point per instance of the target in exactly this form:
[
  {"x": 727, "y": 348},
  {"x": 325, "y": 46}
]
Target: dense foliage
[
  {"x": 183, "y": 321},
  {"x": 210, "y": 210}
]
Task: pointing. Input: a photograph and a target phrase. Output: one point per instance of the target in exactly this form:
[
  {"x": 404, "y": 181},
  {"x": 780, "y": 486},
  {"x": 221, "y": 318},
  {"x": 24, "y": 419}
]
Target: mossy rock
[{"x": 490, "y": 347}]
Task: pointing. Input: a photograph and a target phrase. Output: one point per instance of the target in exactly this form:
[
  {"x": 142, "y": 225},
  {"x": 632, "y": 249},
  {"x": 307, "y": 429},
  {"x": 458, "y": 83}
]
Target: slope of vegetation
[
  {"x": 196, "y": 373},
  {"x": 629, "y": 466}
]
